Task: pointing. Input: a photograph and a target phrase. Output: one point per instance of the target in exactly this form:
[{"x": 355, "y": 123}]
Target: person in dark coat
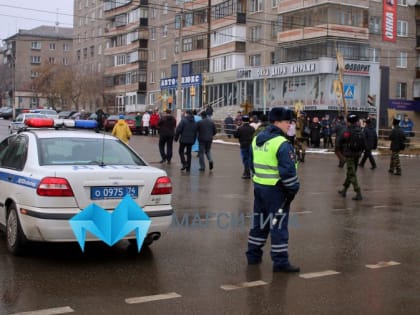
[
  {"x": 245, "y": 134},
  {"x": 186, "y": 133},
  {"x": 206, "y": 129},
  {"x": 100, "y": 117},
  {"x": 229, "y": 126},
  {"x": 352, "y": 156},
  {"x": 166, "y": 136},
  {"x": 315, "y": 127},
  {"x": 398, "y": 139},
  {"x": 371, "y": 140},
  {"x": 339, "y": 127}
]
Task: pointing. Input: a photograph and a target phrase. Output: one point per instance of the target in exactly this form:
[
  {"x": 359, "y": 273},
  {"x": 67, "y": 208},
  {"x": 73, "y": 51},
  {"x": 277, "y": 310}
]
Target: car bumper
[{"x": 52, "y": 225}]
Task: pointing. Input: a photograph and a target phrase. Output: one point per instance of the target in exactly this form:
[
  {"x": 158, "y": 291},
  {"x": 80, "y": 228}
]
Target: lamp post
[{"x": 12, "y": 62}]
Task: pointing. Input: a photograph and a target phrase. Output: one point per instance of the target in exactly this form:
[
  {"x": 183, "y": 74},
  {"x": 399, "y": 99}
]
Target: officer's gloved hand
[{"x": 290, "y": 195}]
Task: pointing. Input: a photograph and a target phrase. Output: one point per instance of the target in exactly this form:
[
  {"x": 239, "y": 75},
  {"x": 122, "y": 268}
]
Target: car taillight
[
  {"x": 54, "y": 187},
  {"x": 163, "y": 186}
]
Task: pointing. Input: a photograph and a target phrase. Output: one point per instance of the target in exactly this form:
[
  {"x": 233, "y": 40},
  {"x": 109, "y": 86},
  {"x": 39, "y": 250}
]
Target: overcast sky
[{"x": 28, "y": 14}]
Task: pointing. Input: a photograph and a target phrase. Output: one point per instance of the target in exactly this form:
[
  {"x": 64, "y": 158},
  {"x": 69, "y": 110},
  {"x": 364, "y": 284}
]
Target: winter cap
[
  {"x": 245, "y": 118},
  {"x": 280, "y": 114},
  {"x": 352, "y": 118},
  {"x": 121, "y": 116}
]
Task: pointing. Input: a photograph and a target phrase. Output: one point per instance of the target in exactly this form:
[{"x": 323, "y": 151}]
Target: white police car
[{"x": 47, "y": 176}]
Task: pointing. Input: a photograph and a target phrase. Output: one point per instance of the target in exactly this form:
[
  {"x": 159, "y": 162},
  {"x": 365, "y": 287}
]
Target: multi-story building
[
  {"x": 126, "y": 54},
  {"x": 89, "y": 45},
  {"x": 26, "y": 52}
]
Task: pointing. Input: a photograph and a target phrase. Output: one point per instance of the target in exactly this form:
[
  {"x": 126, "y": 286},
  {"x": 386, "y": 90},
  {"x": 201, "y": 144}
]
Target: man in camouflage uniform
[
  {"x": 398, "y": 139},
  {"x": 351, "y": 156},
  {"x": 300, "y": 139}
]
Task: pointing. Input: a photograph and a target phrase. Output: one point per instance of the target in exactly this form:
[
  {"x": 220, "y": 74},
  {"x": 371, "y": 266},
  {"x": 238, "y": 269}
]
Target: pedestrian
[
  {"x": 315, "y": 127},
  {"x": 195, "y": 146},
  {"x": 245, "y": 134},
  {"x": 326, "y": 132},
  {"x": 100, "y": 117},
  {"x": 121, "y": 129},
  {"x": 186, "y": 133},
  {"x": 351, "y": 143},
  {"x": 166, "y": 136},
  {"x": 206, "y": 130},
  {"x": 138, "y": 124},
  {"x": 398, "y": 139},
  {"x": 146, "y": 123},
  {"x": 154, "y": 122},
  {"x": 276, "y": 183},
  {"x": 371, "y": 141},
  {"x": 339, "y": 127},
  {"x": 291, "y": 132},
  {"x": 229, "y": 126},
  {"x": 255, "y": 122},
  {"x": 209, "y": 111},
  {"x": 301, "y": 137},
  {"x": 407, "y": 126}
]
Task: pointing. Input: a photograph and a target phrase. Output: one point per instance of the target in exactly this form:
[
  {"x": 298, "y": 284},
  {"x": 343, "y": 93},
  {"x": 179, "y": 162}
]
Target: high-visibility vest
[{"x": 265, "y": 161}]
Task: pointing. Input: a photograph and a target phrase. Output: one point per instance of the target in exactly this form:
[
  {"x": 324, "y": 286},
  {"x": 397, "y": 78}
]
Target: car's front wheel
[{"x": 16, "y": 240}]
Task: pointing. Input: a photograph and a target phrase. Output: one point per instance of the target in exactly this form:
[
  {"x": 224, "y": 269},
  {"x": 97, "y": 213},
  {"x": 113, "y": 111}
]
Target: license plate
[{"x": 113, "y": 192}]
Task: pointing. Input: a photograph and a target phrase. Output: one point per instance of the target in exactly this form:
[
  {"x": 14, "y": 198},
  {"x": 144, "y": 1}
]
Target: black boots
[
  {"x": 246, "y": 174},
  {"x": 358, "y": 196}
]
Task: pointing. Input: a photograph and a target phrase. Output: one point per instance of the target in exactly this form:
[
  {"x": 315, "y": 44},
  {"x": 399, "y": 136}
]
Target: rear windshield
[{"x": 83, "y": 151}]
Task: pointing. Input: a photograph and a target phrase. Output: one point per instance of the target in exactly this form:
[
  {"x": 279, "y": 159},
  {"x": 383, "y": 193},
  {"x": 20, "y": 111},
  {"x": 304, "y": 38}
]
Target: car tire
[{"x": 15, "y": 238}]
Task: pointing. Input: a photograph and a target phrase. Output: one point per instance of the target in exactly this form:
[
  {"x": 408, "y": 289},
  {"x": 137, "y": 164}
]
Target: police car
[
  {"x": 49, "y": 175},
  {"x": 19, "y": 122}
]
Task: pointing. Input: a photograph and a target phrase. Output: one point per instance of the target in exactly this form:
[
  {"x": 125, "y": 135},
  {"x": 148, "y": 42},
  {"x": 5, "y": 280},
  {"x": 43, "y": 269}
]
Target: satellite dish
[{"x": 411, "y": 3}]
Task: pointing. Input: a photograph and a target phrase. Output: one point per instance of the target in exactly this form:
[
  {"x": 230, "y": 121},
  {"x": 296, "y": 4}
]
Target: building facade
[{"x": 26, "y": 53}]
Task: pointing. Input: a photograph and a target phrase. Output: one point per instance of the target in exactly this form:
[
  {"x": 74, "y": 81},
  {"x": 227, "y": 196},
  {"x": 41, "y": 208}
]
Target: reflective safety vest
[{"x": 265, "y": 161}]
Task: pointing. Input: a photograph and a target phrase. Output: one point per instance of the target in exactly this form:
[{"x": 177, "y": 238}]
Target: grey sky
[{"x": 28, "y": 14}]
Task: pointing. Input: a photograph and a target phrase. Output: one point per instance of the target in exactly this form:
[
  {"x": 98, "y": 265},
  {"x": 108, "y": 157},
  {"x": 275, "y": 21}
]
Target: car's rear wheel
[{"x": 14, "y": 235}]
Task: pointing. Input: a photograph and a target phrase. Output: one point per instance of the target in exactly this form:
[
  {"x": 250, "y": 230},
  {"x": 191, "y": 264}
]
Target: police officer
[
  {"x": 273, "y": 164},
  {"x": 351, "y": 155}
]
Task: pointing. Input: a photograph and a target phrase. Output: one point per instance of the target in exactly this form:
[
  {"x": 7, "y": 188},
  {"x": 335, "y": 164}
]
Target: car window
[
  {"x": 84, "y": 151},
  {"x": 14, "y": 152}
]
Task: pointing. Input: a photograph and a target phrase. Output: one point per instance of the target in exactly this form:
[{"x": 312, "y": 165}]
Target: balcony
[
  {"x": 324, "y": 30},
  {"x": 291, "y": 5}
]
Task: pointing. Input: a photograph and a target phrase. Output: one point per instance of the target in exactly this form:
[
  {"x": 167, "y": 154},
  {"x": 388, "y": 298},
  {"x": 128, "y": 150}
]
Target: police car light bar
[{"x": 60, "y": 123}]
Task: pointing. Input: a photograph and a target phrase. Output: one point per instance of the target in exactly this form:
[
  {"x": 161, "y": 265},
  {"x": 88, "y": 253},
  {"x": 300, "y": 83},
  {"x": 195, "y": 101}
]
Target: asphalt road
[{"x": 356, "y": 257}]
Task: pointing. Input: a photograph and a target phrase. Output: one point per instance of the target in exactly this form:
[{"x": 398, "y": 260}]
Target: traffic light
[{"x": 372, "y": 100}]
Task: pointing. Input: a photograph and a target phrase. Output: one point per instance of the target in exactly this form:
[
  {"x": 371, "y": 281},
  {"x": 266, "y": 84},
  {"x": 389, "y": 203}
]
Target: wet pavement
[{"x": 356, "y": 257}]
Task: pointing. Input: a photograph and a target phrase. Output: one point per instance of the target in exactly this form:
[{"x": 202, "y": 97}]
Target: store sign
[
  {"x": 187, "y": 81},
  {"x": 277, "y": 71},
  {"x": 357, "y": 68},
  {"x": 389, "y": 21}
]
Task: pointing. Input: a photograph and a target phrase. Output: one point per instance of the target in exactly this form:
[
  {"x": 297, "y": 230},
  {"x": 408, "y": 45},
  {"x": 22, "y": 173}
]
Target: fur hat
[
  {"x": 280, "y": 114},
  {"x": 352, "y": 118},
  {"x": 395, "y": 121}
]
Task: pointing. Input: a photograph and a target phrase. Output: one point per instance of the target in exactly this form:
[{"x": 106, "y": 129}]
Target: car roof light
[{"x": 39, "y": 122}]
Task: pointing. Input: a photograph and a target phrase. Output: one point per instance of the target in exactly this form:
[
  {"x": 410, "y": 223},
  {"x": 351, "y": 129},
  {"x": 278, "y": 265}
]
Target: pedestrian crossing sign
[{"x": 349, "y": 91}]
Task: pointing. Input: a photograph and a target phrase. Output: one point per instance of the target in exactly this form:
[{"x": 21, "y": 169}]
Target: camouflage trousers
[
  {"x": 395, "y": 163},
  {"x": 300, "y": 148},
  {"x": 351, "y": 175}
]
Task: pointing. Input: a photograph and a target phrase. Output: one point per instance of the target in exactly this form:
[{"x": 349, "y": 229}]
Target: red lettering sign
[{"x": 389, "y": 21}]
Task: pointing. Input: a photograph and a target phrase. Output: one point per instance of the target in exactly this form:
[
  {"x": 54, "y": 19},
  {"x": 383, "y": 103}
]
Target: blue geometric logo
[{"x": 111, "y": 227}]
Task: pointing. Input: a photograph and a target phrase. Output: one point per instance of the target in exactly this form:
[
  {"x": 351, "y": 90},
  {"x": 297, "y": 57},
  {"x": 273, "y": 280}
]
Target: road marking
[
  {"x": 383, "y": 264},
  {"x": 150, "y": 298},
  {"x": 381, "y": 206},
  {"x": 340, "y": 209},
  {"x": 228, "y": 287},
  {"x": 301, "y": 212},
  {"x": 318, "y": 274},
  {"x": 49, "y": 311}
]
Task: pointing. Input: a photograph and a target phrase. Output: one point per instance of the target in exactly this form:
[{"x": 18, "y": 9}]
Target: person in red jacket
[{"x": 154, "y": 122}]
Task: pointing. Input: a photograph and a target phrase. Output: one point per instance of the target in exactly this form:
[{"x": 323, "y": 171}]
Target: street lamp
[{"x": 12, "y": 61}]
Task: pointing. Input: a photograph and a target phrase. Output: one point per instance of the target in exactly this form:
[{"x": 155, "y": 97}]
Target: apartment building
[
  {"x": 26, "y": 53},
  {"x": 89, "y": 44}
]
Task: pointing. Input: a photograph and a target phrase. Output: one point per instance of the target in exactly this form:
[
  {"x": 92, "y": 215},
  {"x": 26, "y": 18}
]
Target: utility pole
[
  {"x": 179, "y": 80},
  {"x": 12, "y": 60}
]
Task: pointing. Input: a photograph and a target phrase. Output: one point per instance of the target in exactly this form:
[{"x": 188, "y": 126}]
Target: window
[
  {"x": 402, "y": 2},
  {"x": 51, "y": 60},
  {"x": 163, "y": 54},
  {"x": 255, "y": 33},
  {"x": 152, "y": 77},
  {"x": 256, "y": 6},
  {"x": 374, "y": 54},
  {"x": 401, "y": 90},
  {"x": 92, "y": 51},
  {"x": 165, "y": 31},
  {"x": 255, "y": 60},
  {"x": 375, "y": 25},
  {"x": 66, "y": 47},
  {"x": 65, "y": 61},
  {"x": 14, "y": 153},
  {"x": 78, "y": 53},
  {"x": 35, "y": 59},
  {"x": 36, "y": 45},
  {"x": 84, "y": 53},
  {"x": 165, "y": 9},
  {"x": 402, "y": 60},
  {"x": 153, "y": 33},
  {"x": 52, "y": 46},
  {"x": 187, "y": 44},
  {"x": 402, "y": 28},
  {"x": 34, "y": 74}
]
